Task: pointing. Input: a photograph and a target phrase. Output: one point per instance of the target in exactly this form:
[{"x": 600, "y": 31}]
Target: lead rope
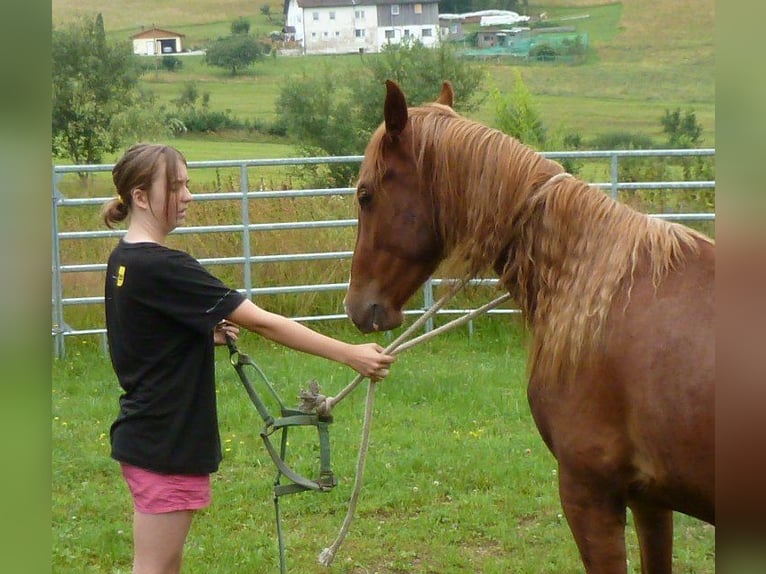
[{"x": 400, "y": 344}]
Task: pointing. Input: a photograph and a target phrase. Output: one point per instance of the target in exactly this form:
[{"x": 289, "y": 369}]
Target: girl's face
[{"x": 169, "y": 205}]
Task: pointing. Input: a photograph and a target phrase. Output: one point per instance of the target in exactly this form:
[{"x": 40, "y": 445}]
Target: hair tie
[{"x": 120, "y": 200}]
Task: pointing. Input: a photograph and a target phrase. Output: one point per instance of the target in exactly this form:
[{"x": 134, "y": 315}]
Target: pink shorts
[{"x": 155, "y": 493}]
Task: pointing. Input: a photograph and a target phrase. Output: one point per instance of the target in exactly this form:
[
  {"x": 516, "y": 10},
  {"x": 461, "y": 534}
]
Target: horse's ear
[
  {"x": 395, "y": 109},
  {"x": 447, "y": 95}
]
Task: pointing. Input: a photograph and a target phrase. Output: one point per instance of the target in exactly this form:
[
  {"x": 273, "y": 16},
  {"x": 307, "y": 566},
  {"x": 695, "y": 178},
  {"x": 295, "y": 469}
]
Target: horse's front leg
[
  {"x": 597, "y": 520},
  {"x": 654, "y": 527}
]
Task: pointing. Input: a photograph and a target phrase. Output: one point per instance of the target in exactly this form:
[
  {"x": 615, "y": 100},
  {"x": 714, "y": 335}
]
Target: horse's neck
[
  {"x": 487, "y": 190},
  {"x": 556, "y": 223}
]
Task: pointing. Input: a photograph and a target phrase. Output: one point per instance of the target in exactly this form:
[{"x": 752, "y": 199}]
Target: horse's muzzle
[{"x": 369, "y": 318}]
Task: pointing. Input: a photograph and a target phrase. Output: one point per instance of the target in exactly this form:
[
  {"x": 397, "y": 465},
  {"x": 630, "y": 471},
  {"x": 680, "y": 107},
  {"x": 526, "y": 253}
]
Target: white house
[
  {"x": 344, "y": 26},
  {"x": 157, "y": 41}
]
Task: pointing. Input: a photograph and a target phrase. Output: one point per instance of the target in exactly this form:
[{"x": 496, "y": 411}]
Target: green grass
[
  {"x": 647, "y": 58},
  {"x": 252, "y": 93},
  {"x": 200, "y": 20},
  {"x": 457, "y": 479}
]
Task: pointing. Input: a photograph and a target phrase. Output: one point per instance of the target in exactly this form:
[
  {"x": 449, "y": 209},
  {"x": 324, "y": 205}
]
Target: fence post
[
  {"x": 247, "y": 268},
  {"x": 59, "y": 348},
  {"x": 428, "y": 301},
  {"x": 614, "y": 175}
]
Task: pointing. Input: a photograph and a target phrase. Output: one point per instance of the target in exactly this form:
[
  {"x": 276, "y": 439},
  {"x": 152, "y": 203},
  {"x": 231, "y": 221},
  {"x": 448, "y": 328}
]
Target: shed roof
[{"x": 155, "y": 32}]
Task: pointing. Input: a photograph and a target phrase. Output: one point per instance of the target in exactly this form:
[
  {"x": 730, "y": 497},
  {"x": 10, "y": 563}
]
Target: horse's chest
[{"x": 583, "y": 418}]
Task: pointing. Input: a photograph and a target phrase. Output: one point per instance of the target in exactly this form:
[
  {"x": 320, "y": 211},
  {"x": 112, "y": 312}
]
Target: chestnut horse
[{"x": 619, "y": 306}]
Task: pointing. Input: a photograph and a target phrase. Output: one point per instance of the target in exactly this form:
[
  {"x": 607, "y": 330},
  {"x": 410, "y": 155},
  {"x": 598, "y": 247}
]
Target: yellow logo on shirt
[{"x": 120, "y": 275}]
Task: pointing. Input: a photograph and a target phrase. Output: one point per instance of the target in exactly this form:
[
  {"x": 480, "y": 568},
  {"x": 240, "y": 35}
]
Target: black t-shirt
[{"x": 161, "y": 308}]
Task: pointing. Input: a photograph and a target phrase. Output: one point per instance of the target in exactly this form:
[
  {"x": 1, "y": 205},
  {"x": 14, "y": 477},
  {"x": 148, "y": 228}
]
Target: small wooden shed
[{"x": 157, "y": 42}]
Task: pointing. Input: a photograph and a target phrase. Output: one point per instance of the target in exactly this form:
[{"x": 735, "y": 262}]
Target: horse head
[{"x": 397, "y": 245}]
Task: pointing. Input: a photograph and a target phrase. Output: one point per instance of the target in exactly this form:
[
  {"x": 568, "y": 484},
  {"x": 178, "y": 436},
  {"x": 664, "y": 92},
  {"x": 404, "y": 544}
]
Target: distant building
[
  {"x": 157, "y": 41},
  {"x": 497, "y": 20},
  {"x": 451, "y": 27},
  {"x": 344, "y": 26}
]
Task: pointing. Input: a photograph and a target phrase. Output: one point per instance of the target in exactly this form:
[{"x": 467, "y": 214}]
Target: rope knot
[{"x": 312, "y": 400}]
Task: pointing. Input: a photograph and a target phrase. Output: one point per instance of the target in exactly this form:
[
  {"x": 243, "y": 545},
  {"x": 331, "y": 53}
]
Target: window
[
  {"x": 359, "y": 32},
  {"x": 406, "y": 33},
  {"x": 359, "y": 14},
  {"x": 426, "y": 32},
  {"x": 394, "y": 9},
  {"x": 315, "y": 16},
  {"x": 390, "y": 35},
  {"x": 332, "y": 15},
  {"x": 418, "y": 8}
]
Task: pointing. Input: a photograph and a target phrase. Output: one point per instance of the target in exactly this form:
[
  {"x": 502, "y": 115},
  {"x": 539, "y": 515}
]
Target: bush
[
  {"x": 171, "y": 63},
  {"x": 205, "y": 121},
  {"x": 277, "y": 128},
  {"x": 240, "y": 26},
  {"x": 543, "y": 53},
  {"x": 683, "y": 131},
  {"x": 622, "y": 140}
]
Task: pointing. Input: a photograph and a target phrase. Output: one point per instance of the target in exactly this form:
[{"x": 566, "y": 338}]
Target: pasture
[
  {"x": 649, "y": 57},
  {"x": 457, "y": 480}
]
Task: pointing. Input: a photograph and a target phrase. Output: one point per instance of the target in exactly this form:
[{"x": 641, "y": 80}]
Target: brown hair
[{"x": 136, "y": 169}]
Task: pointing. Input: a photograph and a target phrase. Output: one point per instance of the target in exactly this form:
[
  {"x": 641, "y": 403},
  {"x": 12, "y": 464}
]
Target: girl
[{"x": 162, "y": 310}]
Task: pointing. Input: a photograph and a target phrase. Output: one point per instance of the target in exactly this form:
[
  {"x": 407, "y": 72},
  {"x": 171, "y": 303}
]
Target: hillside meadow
[
  {"x": 647, "y": 57},
  {"x": 458, "y": 479}
]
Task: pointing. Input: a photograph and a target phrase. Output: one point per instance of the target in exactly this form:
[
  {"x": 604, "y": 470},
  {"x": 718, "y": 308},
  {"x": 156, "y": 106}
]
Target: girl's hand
[
  {"x": 223, "y": 329},
  {"x": 369, "y": 360}
]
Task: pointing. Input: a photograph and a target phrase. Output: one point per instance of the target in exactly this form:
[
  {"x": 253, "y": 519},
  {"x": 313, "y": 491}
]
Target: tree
[
  {"x": 95, "y": 91},
  {"x": 683, "y": 131},
  {"x": 240, "y": 26},
  {"x": 517, "y": 116},
  {"x": 234, "y": 52},
  {"x": 316, "y": 114},
  {"x": 419, "y": 71},
  {"x": 334, "y": 112}
]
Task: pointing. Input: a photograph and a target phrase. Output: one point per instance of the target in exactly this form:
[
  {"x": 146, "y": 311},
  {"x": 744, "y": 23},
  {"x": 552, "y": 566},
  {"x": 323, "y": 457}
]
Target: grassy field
[
  {"x": 648, "y": 57},
  {"x": 457, "y": 480}
]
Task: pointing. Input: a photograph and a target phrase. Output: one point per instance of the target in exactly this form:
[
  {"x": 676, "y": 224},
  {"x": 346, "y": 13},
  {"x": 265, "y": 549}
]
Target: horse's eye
[{"x": 363, "y": 196}]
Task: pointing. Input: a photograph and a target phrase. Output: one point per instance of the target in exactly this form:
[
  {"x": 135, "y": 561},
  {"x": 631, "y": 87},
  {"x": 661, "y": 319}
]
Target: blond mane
[{"x": 562, "y": 250}]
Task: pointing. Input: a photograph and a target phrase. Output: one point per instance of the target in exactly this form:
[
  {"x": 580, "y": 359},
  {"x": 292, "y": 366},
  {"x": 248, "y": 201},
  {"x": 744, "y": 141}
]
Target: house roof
[
  {"x": 156, "y": 33},
  {"x": 344, "y": 3}
]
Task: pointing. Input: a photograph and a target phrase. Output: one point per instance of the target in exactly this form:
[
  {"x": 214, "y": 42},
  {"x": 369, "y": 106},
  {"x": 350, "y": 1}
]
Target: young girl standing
[{"x": 164, "y": 314}]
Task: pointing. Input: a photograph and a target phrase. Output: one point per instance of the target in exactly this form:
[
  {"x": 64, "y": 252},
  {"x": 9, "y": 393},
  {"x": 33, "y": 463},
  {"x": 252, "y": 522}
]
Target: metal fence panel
[{"x": 61, "y": 298}]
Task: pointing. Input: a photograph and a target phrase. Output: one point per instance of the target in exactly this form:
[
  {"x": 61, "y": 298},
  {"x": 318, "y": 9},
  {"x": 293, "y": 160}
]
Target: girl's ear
[{"x": 139, "y": 197}]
